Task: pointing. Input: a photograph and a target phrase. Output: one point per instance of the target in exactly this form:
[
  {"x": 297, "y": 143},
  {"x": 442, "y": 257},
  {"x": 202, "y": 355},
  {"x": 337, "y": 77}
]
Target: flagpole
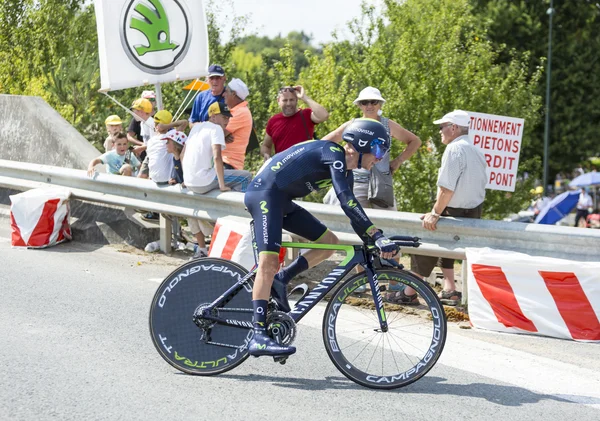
[{"x": 158, "y": 93}]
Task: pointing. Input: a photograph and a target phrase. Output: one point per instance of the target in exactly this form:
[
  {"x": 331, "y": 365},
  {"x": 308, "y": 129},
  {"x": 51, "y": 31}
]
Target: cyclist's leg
[
  {"x": 299, "y": 221},
  {"x": 266, "y": 210}
]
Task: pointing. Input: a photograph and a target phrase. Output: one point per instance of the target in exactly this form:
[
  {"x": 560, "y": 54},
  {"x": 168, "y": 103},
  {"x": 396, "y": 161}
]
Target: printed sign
[
  {"x": 144, "y": 42},
  {"x": 500, "y": 139}
]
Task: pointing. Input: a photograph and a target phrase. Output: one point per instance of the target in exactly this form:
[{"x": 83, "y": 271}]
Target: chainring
[{"x": 281, "y": 327}]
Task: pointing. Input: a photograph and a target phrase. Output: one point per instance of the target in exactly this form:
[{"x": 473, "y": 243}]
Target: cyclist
[{"x": 295, "y": 173}]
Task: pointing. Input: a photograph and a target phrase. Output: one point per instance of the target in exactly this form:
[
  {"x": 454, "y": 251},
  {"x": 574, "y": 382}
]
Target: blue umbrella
[
  {"x": 558, "y": 208},
  {"x": 587, "y": 179}
]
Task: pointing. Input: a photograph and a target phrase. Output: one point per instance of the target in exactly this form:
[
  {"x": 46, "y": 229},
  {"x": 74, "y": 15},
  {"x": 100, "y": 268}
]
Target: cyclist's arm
[{"x": 360, "y": 221}]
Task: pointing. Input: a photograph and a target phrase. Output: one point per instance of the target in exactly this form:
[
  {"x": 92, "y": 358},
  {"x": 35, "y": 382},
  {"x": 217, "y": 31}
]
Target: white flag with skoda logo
[{"x": 150, "y": 41}]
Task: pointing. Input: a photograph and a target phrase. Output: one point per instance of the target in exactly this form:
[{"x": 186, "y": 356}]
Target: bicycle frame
[{"x": 355, "y": 255}]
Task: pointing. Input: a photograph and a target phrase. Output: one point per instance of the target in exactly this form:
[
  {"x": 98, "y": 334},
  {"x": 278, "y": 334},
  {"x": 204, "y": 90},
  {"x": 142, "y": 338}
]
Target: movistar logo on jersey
[
  {"x": 351, "y": 203},
  {"x": 263, "y": 207},
  {"x": 276, "y": 167},
  {"x": 324, "y": 184},
  {"x": 335, "y": 149},
  {"x": 156, "y": 34}
]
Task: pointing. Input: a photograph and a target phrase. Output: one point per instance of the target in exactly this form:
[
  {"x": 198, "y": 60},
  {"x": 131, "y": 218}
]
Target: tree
[
  {"x": 431, "y": 58},
  {"x": 575, "y": 89}
]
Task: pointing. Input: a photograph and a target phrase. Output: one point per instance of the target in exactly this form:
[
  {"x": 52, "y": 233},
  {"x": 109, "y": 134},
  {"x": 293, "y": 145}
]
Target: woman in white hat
[{"x": 370, "y": 102}]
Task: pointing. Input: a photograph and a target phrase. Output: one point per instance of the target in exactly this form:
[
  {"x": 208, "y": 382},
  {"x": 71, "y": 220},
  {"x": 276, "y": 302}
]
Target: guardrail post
[{"x": 165, "y": 234}]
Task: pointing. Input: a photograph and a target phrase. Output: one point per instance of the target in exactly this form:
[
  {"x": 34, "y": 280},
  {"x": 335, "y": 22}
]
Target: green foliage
[
  {"x": 431, "y": 58},
  {"x": 575, "y": 86},
  {"x": 427, "y": 57}
]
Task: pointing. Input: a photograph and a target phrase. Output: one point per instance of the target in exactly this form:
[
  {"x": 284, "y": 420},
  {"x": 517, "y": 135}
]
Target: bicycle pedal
[{"x": 279, "y": 359}]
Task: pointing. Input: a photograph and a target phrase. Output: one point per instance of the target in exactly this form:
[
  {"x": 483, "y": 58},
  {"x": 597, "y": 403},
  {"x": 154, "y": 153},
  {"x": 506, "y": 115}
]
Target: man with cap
[
  {"x": 216, "y": 79},
  {"x": 292, "y": 125},
  {"x": 202, "y": 163},
  {"x": 461, "y": 190},
  {"x": 237, "y": 132}
]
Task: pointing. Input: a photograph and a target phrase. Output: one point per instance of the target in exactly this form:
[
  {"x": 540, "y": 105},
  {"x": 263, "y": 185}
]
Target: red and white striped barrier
[
  {"x": 40, "y": 218},
  {"x": 232, "y": 240},
  {"x": 517, "y": 293}
]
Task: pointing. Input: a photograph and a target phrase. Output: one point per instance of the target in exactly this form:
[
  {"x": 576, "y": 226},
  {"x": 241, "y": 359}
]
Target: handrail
[{"x": 452, "y": 237}]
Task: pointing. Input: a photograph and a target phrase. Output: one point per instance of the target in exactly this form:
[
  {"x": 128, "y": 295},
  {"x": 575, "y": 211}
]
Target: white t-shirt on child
[
  {"x": 160, "y": 163},
  {"x": 198, "y": 163}
]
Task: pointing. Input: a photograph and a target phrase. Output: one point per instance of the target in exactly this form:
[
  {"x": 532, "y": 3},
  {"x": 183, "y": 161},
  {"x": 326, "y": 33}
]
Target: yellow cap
[
  {"x": 163, "y": 117},
  {"x": 539, "y": 190},
  {"x": 142, "y": 104},
  {"x": 113, "y": 120}
]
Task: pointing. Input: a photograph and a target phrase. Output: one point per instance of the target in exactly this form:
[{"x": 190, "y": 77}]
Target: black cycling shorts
[{"x": 272, "y": 211}]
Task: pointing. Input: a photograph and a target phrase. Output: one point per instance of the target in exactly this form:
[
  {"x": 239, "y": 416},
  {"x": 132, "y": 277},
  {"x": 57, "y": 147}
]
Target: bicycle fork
[{"x": 377, "y": 297}]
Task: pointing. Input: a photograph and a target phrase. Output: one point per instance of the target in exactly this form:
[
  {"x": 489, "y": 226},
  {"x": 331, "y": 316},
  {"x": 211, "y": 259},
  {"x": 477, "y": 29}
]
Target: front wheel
[
  {"x": 371, "y": 357},
  {"x": 195, "y": 345}
]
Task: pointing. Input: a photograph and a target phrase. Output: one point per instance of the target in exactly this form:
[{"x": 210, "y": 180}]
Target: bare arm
[
  {"x": 177, "y": 125},
  {"x": 266, "y": 147},
  {"x": 218, "y": 158},
  {"x": 93, "y": 163},
  {"x": 443, "y": 198},
  {"x": 410, "y": 139},
  {"x": 336, "y": 135},
  {"x": 132, "y": 139},
  {"x": 319, "y": 113}
]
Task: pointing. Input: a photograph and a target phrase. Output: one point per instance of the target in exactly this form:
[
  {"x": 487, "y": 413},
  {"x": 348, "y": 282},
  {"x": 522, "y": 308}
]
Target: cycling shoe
[
  {"x": 279, "y": 294},
  {"x": 261, "y": 344}
]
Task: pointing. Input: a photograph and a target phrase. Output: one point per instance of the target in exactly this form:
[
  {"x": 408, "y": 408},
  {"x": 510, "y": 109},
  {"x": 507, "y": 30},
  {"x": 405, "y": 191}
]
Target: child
[
  {"x": 175, "y": 141},
  {"x": 114, "y": 125},
  {"x": 119, "y": 160}
]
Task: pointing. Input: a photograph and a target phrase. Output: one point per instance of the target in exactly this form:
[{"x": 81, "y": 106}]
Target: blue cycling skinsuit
[{"x": 295, "y": 173}]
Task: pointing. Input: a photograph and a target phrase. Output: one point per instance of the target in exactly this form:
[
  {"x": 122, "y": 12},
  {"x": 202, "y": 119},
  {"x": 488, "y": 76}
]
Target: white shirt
[
  {"x": 463, "y": 171},
  {"x": 198, "y": 163},
  {"x": 147, "y": 129},
  {"x": 160, "y": 163},
  {"x": 585, "y": 201}
]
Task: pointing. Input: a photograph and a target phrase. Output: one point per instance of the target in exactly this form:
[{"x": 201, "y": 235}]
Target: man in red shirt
[{"x": 292, "y": 125}]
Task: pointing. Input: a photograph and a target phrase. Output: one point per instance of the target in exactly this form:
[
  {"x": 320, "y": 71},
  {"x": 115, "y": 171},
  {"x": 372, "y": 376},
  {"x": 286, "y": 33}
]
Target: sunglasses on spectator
[
  {"x": 287, "y": 89},
  {"x": 366, "y": 102},
  {"x": 442, "y": 127}
]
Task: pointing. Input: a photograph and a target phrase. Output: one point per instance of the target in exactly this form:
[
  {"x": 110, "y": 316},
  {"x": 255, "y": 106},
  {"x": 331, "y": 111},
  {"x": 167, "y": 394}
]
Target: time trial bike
[{"x": 201, "y": 318}]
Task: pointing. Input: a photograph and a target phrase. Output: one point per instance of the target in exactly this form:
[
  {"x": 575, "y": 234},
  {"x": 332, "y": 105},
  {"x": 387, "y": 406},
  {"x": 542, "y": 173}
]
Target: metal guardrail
[{"x": 451, "y": 238}]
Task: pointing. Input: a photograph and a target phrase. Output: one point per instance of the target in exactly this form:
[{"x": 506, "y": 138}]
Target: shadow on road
[
  {"x": 498, "y": 394},
  {"x": 337, "y": 383}
]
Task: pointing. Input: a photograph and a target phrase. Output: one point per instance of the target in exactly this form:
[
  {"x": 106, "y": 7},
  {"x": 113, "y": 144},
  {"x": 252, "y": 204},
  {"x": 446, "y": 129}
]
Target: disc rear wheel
[{"x": 182, "y": 337}]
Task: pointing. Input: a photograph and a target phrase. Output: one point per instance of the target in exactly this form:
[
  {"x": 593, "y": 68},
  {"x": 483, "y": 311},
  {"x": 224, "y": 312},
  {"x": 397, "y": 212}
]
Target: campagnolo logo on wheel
[{"x": 155, "y": 34}]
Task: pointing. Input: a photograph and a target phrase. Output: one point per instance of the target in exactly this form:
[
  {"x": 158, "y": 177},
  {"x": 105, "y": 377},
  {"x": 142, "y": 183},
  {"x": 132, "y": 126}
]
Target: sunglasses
[
  {"x": 287, "y": 89},
  {"x": 366, "y": 102},
  {"x": 442, "y": 127}
]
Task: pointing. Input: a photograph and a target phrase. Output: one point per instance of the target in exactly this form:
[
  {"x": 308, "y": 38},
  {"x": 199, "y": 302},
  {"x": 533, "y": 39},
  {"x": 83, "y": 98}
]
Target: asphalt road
[{"x": 75, "y": 346}]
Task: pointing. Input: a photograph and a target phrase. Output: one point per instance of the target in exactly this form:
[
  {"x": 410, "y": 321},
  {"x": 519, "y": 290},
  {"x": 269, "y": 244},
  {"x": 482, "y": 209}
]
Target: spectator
[
  {"x": 583, "y": 206},
  {"x": 150, "y": 96},
  {"x": 203, "y": 165},
  {"x": 175, "y": 142},
  {"x": 141, "y": 127},
  {"x": 120, "y": 160},
  {"x": 158, "y": 164},
  {"x": 291, "y": 125},
  {"x": 114, "y": 125},
  {"x": 216, "y": 79},
  {"x": 237, "y": 132},
  {"x": 370, "y": 102},
  {"x": 461, "y": 190},
  {"x": 541, "y": 201}
]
